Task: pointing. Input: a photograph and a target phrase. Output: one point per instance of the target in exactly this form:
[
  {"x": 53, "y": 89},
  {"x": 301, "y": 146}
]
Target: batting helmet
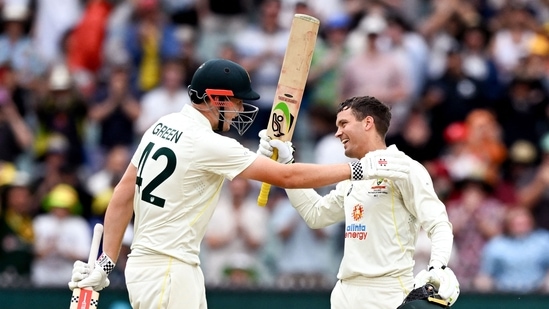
[
  {"x": 221, "y": 74},
  {"x": 424, "y": 297}
]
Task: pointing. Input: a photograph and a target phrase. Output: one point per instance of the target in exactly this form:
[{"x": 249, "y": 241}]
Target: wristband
[
  {"x": 356, "y": 170},
  {"x": 105, "y": 262}
]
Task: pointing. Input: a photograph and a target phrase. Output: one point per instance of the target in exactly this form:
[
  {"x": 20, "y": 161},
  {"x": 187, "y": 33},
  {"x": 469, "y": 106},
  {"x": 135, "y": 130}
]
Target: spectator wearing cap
[
  {"x": 54, "y": 168},
  {"x": 46, "y": 173},
  {"x": 61, "y": 237},
  {"x": 376, "y": 72},
  {"x": 517, "y": 169},
  {"x": 62, "y": 111},
  {"x": 17, "y": 49},
  {"x": 533, "y": 193}
]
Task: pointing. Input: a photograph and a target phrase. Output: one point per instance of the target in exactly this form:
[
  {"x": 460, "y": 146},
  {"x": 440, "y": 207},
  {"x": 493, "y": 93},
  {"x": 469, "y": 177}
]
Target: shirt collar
[{"x": 198, "y": 116}]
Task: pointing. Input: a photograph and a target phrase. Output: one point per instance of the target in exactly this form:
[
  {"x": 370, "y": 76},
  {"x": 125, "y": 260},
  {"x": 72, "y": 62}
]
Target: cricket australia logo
[
  {"x": 282, "y": 120},
  {"x": 380, "y": 187},
  {"x": 358, "y": 212}
]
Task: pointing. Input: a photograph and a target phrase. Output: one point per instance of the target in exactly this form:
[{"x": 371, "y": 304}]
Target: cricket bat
[
  {"x": 291, "y": 84},
  {"x": 87, "y": 298}
]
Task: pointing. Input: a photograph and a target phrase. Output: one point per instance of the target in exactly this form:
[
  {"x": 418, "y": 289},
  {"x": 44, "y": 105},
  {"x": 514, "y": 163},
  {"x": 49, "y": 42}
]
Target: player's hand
[
  {"x": 267, "y": 145},
  {"x": 98, "y": 277},
  {"x": 443, "y": 279},
  {"x": 80, "y": 271},
  {"x": 381, "y": 163},
  {"x": 97, "y": 280}
]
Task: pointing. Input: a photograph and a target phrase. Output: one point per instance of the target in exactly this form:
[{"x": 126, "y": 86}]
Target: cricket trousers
[
  {"x": 162, "y": 282},
  {"x": 370, "y": 293}
]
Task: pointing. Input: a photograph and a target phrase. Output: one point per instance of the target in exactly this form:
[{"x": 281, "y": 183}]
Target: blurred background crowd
[{"x": 467, "y": 80}]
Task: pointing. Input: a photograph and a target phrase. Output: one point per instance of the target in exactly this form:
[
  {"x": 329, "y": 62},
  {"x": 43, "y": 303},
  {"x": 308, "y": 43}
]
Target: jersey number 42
[{"x": 146, "y": 193}]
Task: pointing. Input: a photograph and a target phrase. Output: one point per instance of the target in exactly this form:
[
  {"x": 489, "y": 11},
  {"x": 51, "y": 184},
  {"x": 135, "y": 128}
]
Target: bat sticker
[{"x": 281, "y": 113}]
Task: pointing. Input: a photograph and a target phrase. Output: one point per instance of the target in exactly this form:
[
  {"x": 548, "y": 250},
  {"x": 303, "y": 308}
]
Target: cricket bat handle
[
  {"x": 96, "y": 241},
  {"x": 263, "y": 196}
]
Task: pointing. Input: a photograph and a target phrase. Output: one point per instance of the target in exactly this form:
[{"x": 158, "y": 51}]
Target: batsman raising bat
[
  {"x": 382, "y": 218},
  {"x": 174, "y": 180}
]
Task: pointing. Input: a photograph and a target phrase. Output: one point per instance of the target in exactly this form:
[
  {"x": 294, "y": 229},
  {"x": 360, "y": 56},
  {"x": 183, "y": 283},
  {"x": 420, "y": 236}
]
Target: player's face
[
  {"x": 232, "y": 109},
  {"x": 351, "y": 132}
]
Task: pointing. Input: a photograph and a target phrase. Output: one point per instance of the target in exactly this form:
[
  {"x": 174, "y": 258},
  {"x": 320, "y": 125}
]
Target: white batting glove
[
  {"x": 98, "y": 277},
  {"x": 381, "y": 163},
  {"x": 80, "y": 271},
  {"x": 443, "y": 279},
  {"x": 265, "y": 148},
  {"x": 267, "y": 145}
]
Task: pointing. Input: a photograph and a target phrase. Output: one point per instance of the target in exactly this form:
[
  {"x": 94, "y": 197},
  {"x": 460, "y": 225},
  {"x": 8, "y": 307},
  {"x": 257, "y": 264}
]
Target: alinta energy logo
[
  {"x": 282, "y": 119},
  {"x": 356, "y": 231}
]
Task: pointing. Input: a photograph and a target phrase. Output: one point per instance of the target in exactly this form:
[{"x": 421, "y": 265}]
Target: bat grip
[
  {"x": 263, "y": 196},
  {"x": 96, "y": 241}
]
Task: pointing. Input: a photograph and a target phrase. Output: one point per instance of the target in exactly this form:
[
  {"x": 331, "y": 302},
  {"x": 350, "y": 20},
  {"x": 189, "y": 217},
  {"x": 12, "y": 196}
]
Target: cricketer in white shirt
[
  {"x": 382, "y": 222},
  {"x": 172, "y": 213}
]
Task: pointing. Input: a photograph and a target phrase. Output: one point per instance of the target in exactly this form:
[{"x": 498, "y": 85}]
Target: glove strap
[
  {"x": 357, "y": 173},
  {"x": 105, "y": 262}
]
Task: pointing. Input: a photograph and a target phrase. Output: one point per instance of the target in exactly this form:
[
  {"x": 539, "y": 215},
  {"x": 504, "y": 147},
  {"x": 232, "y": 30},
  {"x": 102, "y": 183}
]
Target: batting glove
[
  {"x": 98, "y": 277},
  {"x": 443, "y": 279},
  {"x": 381, "y": 164},
  {"x": 267, "y": 145},
  {"x": 80, "y": 271}
]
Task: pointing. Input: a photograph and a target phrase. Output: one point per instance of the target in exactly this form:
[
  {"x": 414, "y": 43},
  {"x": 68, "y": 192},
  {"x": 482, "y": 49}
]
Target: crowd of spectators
[{"x": 467, "y": 81}]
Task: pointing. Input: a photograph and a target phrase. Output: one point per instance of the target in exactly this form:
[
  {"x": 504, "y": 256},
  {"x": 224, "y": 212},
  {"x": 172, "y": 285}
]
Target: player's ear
[{"x": 368, "y": 122}]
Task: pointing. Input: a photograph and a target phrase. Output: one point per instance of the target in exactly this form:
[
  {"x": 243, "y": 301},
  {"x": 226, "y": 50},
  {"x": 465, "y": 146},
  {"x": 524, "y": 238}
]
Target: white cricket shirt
[{"x": 181, "y": 165}]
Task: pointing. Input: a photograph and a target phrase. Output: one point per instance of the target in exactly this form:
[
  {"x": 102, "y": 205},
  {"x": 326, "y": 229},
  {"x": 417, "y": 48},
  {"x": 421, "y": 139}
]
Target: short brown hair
[{"x": 369, "y": 106}]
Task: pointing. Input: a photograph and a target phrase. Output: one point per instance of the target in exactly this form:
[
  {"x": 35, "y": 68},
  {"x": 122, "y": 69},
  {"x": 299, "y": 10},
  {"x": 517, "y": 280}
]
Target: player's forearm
[
  {"x": 303, "y": 175},
  {"x": 441, "y": 243},
  {"x": 116, "y": 222},
  {"x": 119, "y": 213},
  {"x": 297, "y": 175},
  {"x": 316, "y": 211}
]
